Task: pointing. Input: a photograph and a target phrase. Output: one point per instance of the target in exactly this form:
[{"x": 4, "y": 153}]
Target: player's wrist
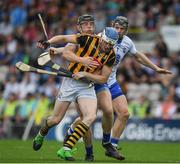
[
  {"x": 156, "y": 68},
  {"x": 85, "y": 74},
  {"x": 45, "y": 44},
  {"x": 81, "y": 60}
]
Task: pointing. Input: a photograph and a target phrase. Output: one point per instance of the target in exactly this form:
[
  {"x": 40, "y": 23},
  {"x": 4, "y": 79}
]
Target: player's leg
[
  {"x": 71, "y": 128},
  {"x": 74, "y": 123},
  {"x": 58, "y": 113},
  {"x": 87, "y": 138},
  {"x": 65, "y": 97},
  {"x": 105, "y": 104},
  {"x": 88, "y": 108},
  {"x": 120, "y": 106},
  {"x": 87, "y": 101},
  {"x": 88, "y": 145}
]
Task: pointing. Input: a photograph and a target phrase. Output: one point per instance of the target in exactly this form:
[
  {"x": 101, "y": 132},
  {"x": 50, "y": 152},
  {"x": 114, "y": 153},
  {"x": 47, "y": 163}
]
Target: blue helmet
[{"x": 110, "y": 35}]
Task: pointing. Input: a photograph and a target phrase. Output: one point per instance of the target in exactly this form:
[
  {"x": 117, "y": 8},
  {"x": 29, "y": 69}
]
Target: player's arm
[
  {"x": 101, "y": 78},
  {"x": 69, "y": 54},
  {"x": 104, "y": 74},
  {"x": 63, "y": 39},
  {"x": 57, "y": 40},
  {"x": 142, "y": 59},
  {"x": 55, "y": 51}
]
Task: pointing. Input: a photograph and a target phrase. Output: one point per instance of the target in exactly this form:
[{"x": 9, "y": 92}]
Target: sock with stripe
[
  {"x": 44, "y": 130},
  {"x": 106, "y": 137},
  {"x": 79, "y": 131},
  {"x": 114, "y": 141}
]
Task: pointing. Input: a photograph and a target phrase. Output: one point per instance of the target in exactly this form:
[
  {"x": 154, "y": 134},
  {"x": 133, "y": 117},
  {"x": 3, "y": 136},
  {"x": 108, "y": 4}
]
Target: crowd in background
[{"x": 149, "y": 94}]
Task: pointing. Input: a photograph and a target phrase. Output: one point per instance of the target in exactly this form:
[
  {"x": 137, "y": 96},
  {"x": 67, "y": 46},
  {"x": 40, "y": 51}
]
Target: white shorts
[{"x": 71, "y": 90}]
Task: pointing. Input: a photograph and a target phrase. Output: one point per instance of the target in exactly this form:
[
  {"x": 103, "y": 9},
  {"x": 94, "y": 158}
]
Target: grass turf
[{"x": 136, "y": 152}]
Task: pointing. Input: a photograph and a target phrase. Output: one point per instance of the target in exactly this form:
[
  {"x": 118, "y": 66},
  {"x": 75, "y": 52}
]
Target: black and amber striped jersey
[{"x": 89, "y": 47}]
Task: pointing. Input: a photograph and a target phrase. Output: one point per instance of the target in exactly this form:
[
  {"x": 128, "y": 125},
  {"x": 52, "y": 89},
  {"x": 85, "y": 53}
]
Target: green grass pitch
[{"x": 16, "y": 151}]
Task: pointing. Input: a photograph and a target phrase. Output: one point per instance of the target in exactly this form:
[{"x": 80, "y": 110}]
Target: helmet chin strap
[{"x": 81, "y": 31}]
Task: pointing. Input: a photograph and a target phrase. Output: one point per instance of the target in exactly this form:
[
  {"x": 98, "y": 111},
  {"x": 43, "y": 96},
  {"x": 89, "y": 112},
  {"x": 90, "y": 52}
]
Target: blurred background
[{"x": 28, "y": 98}]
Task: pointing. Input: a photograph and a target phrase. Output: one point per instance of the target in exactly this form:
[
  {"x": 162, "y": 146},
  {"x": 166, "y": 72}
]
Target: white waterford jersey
[{"x": 121, "y": 48}]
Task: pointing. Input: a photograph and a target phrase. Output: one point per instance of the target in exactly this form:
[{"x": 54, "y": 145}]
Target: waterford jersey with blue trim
[{"x": 121, "y": 48}]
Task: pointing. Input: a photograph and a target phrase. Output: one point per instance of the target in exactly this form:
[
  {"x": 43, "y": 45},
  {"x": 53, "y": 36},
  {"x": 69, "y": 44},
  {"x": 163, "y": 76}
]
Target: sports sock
[
  {"x": 44, "y": 130},
  {"x": 89, "y": 150},
  {"x": 79, "y": 131},
  {"x": 114, "y": 141},
  {"x": 106, "y": 137}
]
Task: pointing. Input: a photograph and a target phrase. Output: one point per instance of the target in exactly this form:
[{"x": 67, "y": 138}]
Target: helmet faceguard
[{"x": 85, "y": 17}]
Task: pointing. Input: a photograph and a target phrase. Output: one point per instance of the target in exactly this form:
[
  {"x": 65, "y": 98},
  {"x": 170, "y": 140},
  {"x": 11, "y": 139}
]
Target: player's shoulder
[{"x": 127, "y": 39}]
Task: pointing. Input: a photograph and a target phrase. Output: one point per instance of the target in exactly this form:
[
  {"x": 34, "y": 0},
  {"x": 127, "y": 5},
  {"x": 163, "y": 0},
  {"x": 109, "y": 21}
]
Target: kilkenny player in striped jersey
[
  {"x": 89, "y": 46},
  {"x": 101, "y": 48}
]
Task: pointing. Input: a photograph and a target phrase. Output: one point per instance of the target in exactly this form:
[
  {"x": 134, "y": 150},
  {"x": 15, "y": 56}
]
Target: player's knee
[
  {"x": 124, "y": 114},
  {"x": 108, "y": 112},
  {"x": 90, "y": 119}
]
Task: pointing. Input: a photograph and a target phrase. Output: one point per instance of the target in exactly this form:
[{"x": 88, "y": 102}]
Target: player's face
[
  {"x": 87, "y": 27},
  {"x": 105, "y": 46},
  {"x": 120, "y": 29}
]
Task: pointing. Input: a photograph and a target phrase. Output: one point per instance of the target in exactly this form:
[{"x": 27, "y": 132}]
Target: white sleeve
[{"x": 132, "y": 50}]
